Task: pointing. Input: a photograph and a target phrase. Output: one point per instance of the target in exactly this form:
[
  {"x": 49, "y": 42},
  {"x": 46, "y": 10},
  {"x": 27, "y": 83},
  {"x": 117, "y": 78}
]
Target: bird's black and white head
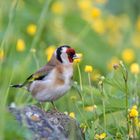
[{"x": 65, "y": 54}]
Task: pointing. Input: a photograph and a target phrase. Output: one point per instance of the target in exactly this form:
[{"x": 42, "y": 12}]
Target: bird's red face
[
  {"x": 65, "y": 54},
  {"x": 71, "y": 54}
]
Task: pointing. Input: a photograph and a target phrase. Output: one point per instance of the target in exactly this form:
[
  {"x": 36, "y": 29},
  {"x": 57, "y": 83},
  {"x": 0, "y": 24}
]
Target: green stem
[
  {"x": 81, "y": 84},
  {"x": 126, "y": 99},
  {"x": 136, "y": 89},
  {"x": 82, "y": 115},
  {"x": 80, "y": 77},
  {"x": 125, "y": 76},
  {"x": 103, "y": 103},
  {"x": 89, "y": 80},
  {"x": 133, "y": 127},
  {"x": 104, "y": 114}
]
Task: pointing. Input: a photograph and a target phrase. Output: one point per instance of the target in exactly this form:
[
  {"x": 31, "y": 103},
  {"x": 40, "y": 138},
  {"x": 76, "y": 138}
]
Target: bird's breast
[
  {"x": 55, "y": 85},
  {"x": 68, "y": 73}
]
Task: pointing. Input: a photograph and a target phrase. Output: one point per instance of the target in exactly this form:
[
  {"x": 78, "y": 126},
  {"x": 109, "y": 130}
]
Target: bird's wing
[
  {"x": 44, "y": 71},
  {"x": 39, "y": 75}
]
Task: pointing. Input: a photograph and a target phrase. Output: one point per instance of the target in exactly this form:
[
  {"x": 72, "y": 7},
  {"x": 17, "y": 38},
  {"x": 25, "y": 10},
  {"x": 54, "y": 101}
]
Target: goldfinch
[{"x": 54, "y": 79}]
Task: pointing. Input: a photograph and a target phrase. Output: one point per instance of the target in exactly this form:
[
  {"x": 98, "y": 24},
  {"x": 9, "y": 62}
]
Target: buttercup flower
[
  {"x": 88, "y": 69},
  {"x": 90, "y": 108},
  {"x": 134, "y": 107},
  {"x": 80, "y": 55},
  {"x": 20, "y": 47},
  {"x": 1, "y": 54},
  {"x": 49, "y": 51},
  {"x": 134, "y": 68},
  {"x": 98, "y": 26},
  {"x": 133, "y": 112},
  {"x": 72, "y": 115},
  {"x": 31, "y": 29},
  {"x": 84, "y": 4},
  {"x": 57, "y": 8},
  {"x": 95, "y": 12},
  {"x": 83, "y": 126},
  {"x": 100, "y": 136},
  {"x": 128, "y": 55}
]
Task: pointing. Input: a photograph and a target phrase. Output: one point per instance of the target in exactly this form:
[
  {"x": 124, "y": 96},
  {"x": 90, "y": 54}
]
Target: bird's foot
[{"x": 53, "y": 105}]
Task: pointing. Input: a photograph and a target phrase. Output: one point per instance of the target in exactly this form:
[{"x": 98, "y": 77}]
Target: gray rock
[{"x": 50, "y": 125}]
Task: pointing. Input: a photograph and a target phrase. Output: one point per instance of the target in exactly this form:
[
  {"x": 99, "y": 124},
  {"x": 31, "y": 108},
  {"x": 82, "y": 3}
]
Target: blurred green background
[{"x": 103, "y": 31}]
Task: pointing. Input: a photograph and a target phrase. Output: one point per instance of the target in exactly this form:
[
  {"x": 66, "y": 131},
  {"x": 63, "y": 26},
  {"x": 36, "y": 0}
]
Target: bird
[{"x": 53, "y": 80}]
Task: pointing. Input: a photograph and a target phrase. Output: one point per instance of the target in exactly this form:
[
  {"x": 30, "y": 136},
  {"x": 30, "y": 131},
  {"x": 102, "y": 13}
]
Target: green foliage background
[{"x": 69, "y": 25}]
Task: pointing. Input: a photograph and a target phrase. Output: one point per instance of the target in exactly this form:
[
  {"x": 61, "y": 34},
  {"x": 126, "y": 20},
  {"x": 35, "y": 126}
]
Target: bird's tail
[{"x": 17, "y": 86}]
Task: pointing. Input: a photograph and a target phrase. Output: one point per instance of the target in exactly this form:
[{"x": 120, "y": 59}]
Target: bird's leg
[{"x": 53, "y": 105}]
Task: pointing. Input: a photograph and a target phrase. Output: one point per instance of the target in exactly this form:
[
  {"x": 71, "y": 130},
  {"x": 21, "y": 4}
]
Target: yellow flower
[
  {"x": 98, "y": 26},
  {"x": 133, "y": 112},
  {"x": 88, "y": 69},
  {"x": 100, "y": 136},
  {"x": 97, "y": 136},
  {"x": 49, "y": 51},
  {"x": 95, "y": 12},
  {"x": 20, "y": 47},
  {"x": 80, "y": 55},
  {"x": 134, "y": 107},
  {"x": 90, "y": 108},
  {"x": 83, "y": 126},
  {"x": 1, "y": 54},
  {"x": 57, "y": 8},
  {"x": 31, "y": 29},
  {"x": 84, "y": 4},
  {"x": 134, "y": 68},
  {"x": 72, "y": 115},
  {"x": 78, "y": 60},
  {"x": 128, "y": 55}
]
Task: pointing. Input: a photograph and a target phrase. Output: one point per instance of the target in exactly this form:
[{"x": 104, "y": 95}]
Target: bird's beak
[{"x": 76, "y": 56}]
